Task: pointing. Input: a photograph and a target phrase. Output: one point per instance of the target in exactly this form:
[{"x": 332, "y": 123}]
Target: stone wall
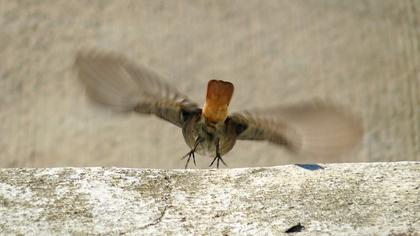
[{"x": 333, "y": 199}]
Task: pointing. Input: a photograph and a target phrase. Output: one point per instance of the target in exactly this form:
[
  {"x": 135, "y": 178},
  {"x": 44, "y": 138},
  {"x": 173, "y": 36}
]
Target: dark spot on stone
[
  {"x": 310, "y": 166},
  {"x": 225, "y": 232},
  {"x": 219, "y": 214},
  {"x": 183, "y": 219},
  {"x": 295, "y": 229}
]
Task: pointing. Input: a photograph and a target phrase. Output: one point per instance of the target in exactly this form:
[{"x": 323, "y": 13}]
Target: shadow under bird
[{"x": 314, "y": 129}]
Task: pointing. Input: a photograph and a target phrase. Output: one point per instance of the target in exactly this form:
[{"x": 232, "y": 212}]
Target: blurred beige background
[{"x": 362, "y": 54}]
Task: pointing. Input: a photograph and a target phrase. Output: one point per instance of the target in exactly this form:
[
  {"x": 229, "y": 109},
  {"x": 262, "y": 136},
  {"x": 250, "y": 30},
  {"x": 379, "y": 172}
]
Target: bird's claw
[
  {"x": 189, "y": 155},
  {"x": 192, "y": 153},
  {"x": 218, "y": 159}
]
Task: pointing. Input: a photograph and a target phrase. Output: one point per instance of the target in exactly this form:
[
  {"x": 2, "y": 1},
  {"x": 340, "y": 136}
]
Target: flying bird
[{"x": 312, "y": 129}]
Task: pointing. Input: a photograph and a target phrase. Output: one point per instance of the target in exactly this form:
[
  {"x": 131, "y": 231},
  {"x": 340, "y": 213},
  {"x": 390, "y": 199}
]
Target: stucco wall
[{"x": 361, "y": 54}]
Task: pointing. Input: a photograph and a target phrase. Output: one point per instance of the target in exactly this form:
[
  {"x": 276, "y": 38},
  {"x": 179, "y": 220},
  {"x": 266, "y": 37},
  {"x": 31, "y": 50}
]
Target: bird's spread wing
[
  {"x": 113, "y": 81},
  {"x": 316, "y": 130}
]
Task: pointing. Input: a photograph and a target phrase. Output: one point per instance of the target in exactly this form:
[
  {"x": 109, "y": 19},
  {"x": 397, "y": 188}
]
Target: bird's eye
[
  {"x": 237, "y": 125},
  {"x": 187, "y": 114},
  {"x": 184, "y": 115},
  {"x": 239, "y": 128}
]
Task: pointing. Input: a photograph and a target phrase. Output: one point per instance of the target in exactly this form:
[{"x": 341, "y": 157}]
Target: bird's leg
[
  {"x": 192, "y": 153},
  {"x": 218, "y": 156}
]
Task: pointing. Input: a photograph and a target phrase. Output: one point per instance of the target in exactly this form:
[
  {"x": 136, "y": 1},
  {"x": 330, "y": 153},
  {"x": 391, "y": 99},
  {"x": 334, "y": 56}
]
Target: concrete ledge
[{"x": 347, "y": 199}]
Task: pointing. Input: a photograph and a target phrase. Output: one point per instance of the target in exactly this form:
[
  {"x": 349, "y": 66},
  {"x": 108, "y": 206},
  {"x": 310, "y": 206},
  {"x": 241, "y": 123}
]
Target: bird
[{"x": 309, "y": 129}]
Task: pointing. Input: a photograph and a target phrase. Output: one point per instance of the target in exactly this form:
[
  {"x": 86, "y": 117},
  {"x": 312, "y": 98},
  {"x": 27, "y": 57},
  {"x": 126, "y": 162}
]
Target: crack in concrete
[
  {"x": 157, "y": 220},
  {"x": 166, "y": 199}
]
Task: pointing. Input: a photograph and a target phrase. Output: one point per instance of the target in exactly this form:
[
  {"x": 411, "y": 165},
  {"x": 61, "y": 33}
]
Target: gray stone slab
[
  {"x": 337, "y": 199},
  {"x": 363, "y": 54}
]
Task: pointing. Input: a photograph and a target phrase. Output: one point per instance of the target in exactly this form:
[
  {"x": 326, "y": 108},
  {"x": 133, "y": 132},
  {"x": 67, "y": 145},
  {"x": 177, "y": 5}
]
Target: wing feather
[
  {"x": 120, "y": 85},
  {"x": 317, "y": 129}
]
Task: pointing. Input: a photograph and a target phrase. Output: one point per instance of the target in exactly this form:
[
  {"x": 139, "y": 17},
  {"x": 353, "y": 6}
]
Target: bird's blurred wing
[
  {"x": 116, "y": 83},
  {"x": 315, "y": 130}
]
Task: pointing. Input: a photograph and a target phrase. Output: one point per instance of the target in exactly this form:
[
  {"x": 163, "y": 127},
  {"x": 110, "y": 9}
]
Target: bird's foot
[
  {"x": 189, "y": 155},
  {"x": 217, "y": 159},
  {"x": 192, "y": 152}
]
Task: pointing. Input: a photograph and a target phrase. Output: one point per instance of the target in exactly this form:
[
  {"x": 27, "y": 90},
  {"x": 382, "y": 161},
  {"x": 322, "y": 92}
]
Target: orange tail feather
[{"x": 218, "y": 98}]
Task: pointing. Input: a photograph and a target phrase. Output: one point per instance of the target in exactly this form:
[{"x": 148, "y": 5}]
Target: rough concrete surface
[
  {"x": 363, "y": 54},
  {"x": 341, "y": 199}
]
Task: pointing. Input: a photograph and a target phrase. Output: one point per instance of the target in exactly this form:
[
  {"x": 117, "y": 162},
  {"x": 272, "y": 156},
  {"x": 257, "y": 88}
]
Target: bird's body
[
  {"x": 209, "y": 139},
  {"x": 316, "y": 129}
]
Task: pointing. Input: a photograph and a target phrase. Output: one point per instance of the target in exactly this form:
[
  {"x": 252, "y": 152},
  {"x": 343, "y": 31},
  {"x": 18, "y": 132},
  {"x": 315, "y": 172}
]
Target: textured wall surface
[
  {"x": 364, "y": 54},
  {"x": 341, "y": 199}
]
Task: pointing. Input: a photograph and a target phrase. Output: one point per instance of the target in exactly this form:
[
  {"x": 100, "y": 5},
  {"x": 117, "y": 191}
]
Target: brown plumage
[{"x": 309, "y": 129}]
